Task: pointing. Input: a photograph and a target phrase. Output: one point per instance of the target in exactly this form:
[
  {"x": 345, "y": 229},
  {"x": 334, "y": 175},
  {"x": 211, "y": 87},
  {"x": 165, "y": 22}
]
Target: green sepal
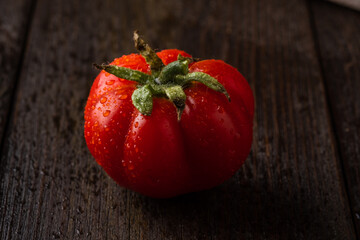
[
  {"x": 164, "y": 81},
  {"x": 125, "y": 73},
  {"x": 176, "y": 95},
  {"x": 169, "y": 72},
  {"x": 142, "y": 99},
  {"x": 205, "y": 79}
]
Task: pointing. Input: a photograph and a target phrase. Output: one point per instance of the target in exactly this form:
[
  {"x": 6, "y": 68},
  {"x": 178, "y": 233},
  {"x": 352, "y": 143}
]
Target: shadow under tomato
[{"x": 233, "y": 210}]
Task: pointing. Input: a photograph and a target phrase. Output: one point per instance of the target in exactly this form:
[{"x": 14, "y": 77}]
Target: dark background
[{"x": 302, "y": 178}]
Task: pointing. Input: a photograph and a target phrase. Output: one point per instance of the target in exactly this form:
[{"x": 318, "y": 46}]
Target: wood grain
[
  {"x": 340, "y": 57},
  {"x": 14, "y": 22},
  {"x": 355, "y": 4},
  {"x": 291, "y": 185}
]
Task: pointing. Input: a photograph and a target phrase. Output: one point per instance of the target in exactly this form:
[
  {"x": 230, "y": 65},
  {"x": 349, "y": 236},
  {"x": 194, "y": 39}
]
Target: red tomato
[{"x": 158, "y": 155}]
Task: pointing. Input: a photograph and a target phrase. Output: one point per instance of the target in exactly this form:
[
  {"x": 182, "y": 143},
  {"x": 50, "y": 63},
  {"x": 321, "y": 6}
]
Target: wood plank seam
[
  {"x": 24, "y": 47},
  {"x": 14, "y": 92},
  {"x": 17, "y": 77},
  {"x": 334, "y": 134}
]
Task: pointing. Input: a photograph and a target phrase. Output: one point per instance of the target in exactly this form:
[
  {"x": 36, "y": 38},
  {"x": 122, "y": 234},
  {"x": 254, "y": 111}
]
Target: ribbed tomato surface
[{"x": 158, "y": 155}]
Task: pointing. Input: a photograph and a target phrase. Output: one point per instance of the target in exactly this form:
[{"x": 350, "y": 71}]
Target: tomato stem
[
  {"x": 165, "y": 81},
  {"x": 171, "y": 70},
  {"x": 148, "y": 53}
]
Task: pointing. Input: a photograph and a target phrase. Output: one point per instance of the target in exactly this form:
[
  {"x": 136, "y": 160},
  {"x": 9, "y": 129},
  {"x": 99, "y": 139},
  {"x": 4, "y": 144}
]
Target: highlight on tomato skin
[{"x": 170, "y": 130}]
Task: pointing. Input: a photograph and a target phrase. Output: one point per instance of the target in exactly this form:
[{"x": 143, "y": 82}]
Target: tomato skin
[
  {"x": 218, "y": 133},
  {"x": 157, "y": 155}
]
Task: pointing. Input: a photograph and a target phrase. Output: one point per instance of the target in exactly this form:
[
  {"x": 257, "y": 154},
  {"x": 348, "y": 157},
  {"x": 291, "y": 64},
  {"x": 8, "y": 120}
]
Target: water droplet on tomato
[
  {"x": 136, "y": 124},
  {"x": 124, "y": 96},
  {"x": 220, "y": 109},
  {"x": 103, "y": 100},
  {"x": 131, "y": 167},
  {"x": 107, "y": 129},
  {"x": 96, "y": 123},
  {"x": 232, "y": 152},
  {"x": 106, "y": 113},
  {"x": 93, "y": 107},
  {"x": 110, "y": 82},
  {"x": 107, "y": 74},
  {"x": 123, "y": 163},
  {"x": 99, "y": 141}
]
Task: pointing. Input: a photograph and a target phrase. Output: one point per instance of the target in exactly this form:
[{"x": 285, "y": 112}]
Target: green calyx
[{"x": 165, "y": 81}]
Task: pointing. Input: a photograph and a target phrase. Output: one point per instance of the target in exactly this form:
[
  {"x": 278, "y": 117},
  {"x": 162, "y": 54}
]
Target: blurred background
[{"x": 302, "y": 60}]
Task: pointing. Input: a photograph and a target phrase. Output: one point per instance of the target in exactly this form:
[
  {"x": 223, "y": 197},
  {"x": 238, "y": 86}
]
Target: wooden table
[{"x": 302, "y": 178}]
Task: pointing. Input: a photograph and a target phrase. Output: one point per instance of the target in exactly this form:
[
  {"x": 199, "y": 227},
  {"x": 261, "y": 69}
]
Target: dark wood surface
[
  {"x": 14, "y": 24},
  {"x": 301, "y": 180},
  {"x": 340, "y": 57}
]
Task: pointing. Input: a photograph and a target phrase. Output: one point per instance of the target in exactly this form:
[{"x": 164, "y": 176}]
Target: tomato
[{"x": 195, "y": 145}]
